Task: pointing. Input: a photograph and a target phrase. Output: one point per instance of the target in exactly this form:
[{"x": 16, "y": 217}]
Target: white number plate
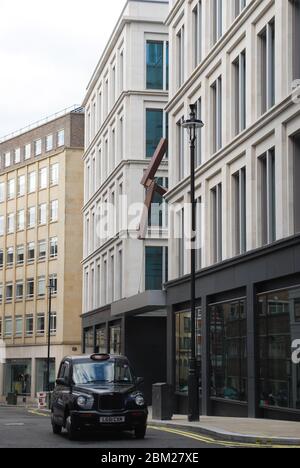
[{"x": 112, "y": 419}]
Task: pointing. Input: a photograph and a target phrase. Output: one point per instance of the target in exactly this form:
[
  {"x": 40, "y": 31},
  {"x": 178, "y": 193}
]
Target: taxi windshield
[{"x": 102, "y": 372}]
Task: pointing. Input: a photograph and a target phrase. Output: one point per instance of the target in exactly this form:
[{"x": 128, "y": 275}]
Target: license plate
[{"x": 112, "y": 419}]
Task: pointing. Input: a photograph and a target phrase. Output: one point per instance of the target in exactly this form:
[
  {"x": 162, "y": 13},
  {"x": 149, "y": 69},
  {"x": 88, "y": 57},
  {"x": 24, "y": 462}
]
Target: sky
[{"x": 48, "y": 52}]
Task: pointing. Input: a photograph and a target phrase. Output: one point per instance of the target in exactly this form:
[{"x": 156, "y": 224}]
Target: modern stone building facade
[
  {"x": 41, "y": 196},
  {"x": 237, "y": 60},
  {"x": 123, "y": 302}
]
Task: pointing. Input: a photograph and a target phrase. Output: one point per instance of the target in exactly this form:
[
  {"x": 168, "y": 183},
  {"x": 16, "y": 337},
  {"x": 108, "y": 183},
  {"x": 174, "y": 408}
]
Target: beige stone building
[{"x": 41, "y": 196}]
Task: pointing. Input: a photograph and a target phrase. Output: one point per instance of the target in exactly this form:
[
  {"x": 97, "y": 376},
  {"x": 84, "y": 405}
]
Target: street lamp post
[
  {"x": 192, "y": 124},
  {"x": 50, "y": 287}
]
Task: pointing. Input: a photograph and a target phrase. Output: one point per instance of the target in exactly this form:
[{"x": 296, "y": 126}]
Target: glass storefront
[
  {"x": 101, "y": 345},
  {"x": 183, "y": 348},
  {"x": 228, "y": 338},
  {"x": 279, "y": 327},
  {"x": 41, "y": 384},
  {"x": 18, "y": 376},
  {"x": 89, "y": 341},
  {"x": 115, "y": 339}
]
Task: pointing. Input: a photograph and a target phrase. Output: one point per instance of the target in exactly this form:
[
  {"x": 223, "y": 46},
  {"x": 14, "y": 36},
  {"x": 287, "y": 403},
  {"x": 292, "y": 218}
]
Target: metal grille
[{"x": 111, "y": 402}]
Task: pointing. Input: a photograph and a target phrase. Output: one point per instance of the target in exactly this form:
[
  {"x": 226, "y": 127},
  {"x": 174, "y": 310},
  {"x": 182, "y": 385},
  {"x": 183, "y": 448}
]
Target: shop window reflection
[
  {"x": 183, "y": 348},
  {"x": 229, "y": 350},
  {"x": 279, "y": 326}
]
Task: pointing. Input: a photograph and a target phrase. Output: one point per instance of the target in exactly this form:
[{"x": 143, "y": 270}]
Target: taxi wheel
[
  {"x": 55, "y": 427},
  {"x": 72, "y": 432},
  {"x": 140, "y": 432}
]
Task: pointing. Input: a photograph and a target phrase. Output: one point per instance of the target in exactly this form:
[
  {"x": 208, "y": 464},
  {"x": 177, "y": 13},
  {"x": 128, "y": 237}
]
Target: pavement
[{"x": 259, "y": 431}]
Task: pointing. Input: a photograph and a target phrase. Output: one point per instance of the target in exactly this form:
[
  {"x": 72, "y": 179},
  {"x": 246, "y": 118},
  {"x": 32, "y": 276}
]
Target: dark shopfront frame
[{"x": 273, "y": 267}]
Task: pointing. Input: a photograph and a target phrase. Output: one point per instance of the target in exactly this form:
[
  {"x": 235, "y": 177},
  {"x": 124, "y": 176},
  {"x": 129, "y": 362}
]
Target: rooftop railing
[{"x": 76, "y": 108}]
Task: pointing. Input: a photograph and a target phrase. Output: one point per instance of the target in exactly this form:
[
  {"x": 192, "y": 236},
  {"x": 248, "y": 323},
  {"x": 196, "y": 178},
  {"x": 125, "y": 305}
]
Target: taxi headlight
[
  {"x": 85, "y": 402},
  {"x": 139, "y": 400}
]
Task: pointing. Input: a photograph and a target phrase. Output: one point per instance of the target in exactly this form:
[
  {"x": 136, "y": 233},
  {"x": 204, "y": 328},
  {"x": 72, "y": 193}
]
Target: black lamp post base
[{"x": 193, "y": 394}]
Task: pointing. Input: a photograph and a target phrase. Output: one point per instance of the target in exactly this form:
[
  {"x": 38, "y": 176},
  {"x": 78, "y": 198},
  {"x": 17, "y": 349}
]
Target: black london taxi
[{"x": 96, "y": 393}]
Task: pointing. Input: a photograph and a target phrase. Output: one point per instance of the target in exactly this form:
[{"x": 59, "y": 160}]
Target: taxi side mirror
[
  {"x": 139, "y": 380},
  {"x": 63, "y": 382}
]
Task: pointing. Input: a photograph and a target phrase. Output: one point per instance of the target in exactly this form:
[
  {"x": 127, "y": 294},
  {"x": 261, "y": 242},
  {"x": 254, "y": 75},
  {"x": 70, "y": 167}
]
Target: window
[
  {"x": 10, "y": 256},
  {"x": 31, "y": 182},
  {"x": 217, "y": 234},
  {"x": 53, "y": 326},
  {"x": 38, "y": 147},
  {"x": 217, "y": 114},
  {"x": 296, "y": 38},
  {"x": 61, "y": 138},
  {"x": 10, "y": 223},
  {"x": 180, "y": 56},
  {"x": 31, "y": 217},
  {"x": 181, "y": 242},
  {"x": 228, "y": 337},
  {"x": 199, "y": 134},
  {"x": 19, "y": 326},
  {"x": 156, "y": 272},
  {"x": 17, "y": 155},
  {"x": 29, "y": 325},
  {"x": 7, "y": 327},
  {"x": 1, "y": 258},
  {"x": 1, "y": 293},
  {"x": 54, "y": 210},
  {"x": 20, "y": 255},
  {"x": 239, "y": 67},
  {"x": 180, "y": 149},
  {"x": 267, "y": 67},
  {"x": 21, "y": 220},
  {"x": 120, "y": 275},
  {"x": 183, "y": 347},
  {"x": 155, "y": 65},
  {"x": 2, "y": 192},
  {"x": 41, "y": 286},
  {"x": 217, "y": 20},
  {"x": 1, "y": 225},
  {"x": 7, "y": 160},
  {"x": 27, "y": 151},
  {"x": 115, "y": 339},
  {"x": 53, "y": 283},
  {"x": 154, "y": 130},
  {"x": 101, "y": 346},
  {"x": 296, "y": 186},
  {"x": 30, "y": 288},
  {"x": 158, "y": 212},
  {"x": 43, "y": 178},
  {"x": 21, "y": 186},
  {"x": 197, "y": 33},
  {"x": 239, "y": 213},
  {"x": 53, "y": 247},
  {"x": 9, "y": 292},
  {"x": 43, "y": 213},
  {"x": 42, "y": 252},
  {"x": 49, "y": 142},
  {"x": 267, "y": 197},
  {"x": 121, "y": 71},
  {"x": 113, "y": 86},
  {"x": 11, "y": 185},
  {"x": 19, "y": 290},
  {"x": 54, "y": 174},
  {"x": 30, "y": 252},
  {"x": 40, "y": 324},
  {"x": 239, "y": 5},
  {"x": 279, "y": 378}
]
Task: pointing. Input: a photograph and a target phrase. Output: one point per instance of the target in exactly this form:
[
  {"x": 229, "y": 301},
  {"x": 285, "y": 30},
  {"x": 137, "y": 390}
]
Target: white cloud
[{"x": 48, "y": 51}]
